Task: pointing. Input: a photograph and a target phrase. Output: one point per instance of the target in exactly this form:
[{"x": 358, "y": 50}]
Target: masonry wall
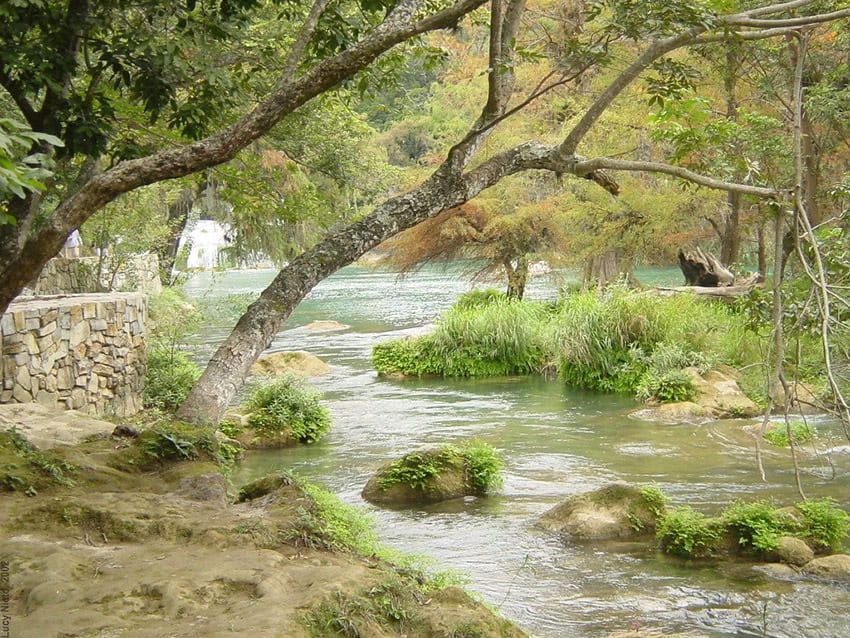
[
  {"x": 61, "y": 276},
  {"x": 82, "y": 352}
]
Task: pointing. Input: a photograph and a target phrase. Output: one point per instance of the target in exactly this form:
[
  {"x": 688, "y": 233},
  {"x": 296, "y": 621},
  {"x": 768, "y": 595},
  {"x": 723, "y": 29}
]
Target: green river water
[{"x": 556, "y": 442}]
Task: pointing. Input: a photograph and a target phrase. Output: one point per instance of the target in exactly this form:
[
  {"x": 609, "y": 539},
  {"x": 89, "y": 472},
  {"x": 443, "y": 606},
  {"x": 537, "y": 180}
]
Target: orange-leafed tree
[{"x": 499, "y": 244}]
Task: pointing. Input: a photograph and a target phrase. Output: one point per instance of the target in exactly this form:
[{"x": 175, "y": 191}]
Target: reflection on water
[{"x": 556, "y": 442}]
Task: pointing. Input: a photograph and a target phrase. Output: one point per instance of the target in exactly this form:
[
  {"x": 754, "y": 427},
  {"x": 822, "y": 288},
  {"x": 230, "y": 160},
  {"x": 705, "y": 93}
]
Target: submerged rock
[
  {"x": 298, "y": 361},
  {"x": 326, "y": 325},
  {"x": 617, "y": 510},
  {"x": 835, "y": 567}
]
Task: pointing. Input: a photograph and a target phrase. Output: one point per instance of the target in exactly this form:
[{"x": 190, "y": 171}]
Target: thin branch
[
  {"x": 802, "y": 21},
  {"x": 584, "y": 167},
  {"x": 300, "y": 44},
  {"x": 774, "y": 8}
]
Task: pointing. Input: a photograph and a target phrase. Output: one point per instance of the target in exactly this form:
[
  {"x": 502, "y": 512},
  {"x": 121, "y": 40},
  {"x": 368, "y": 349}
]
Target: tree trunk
[
  {"x": 730, "y": 239},
  {"x": 812, "y": 173},
  {"x": 601, "y": 270},
  {"x": 517, "y": 276},
  {"x": 762, "y": 249}
]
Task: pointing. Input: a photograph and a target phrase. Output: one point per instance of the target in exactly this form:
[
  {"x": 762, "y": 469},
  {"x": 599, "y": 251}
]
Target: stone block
[
  {"x": 49, "y": 317},
  {"x": 32, "y": 324},
  {"x": 47, "y": 399},
  {"x": 50, "y": 383},
  {"x": 20, "y": 320},
  {"x": 14, "y": 348},
  {"x": 23, "y": 378},
  {"x": 99, "y": 325},
  {"x": 7, "y": 324},
  {"x": 6, "y": 396},
  {"x": 92, "y": 385},
  {"x": 30, "y": 342},
  {"x": 89, "y": 310},
  {"x": 102, "y": 370},
  {"x": 78, "y": 398},
  {"x": 20, "y": 395},
  {"x": 79, "y": 333},
  {"x": 64, "y": 378}
]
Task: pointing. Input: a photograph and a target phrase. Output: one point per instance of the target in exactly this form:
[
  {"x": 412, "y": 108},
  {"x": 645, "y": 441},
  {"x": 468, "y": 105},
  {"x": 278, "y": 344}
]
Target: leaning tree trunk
[{"x": 228, "y": 367}]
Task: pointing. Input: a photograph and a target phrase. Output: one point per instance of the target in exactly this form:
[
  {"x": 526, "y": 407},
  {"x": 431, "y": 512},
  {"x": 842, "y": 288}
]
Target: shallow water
[{"x": 556, "y": 442}]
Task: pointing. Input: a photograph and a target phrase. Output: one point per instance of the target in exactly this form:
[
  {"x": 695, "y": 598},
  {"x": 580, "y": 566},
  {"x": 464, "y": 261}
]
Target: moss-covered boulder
[
  {"x": 298, "y": 362},
  {"x": 617, "y": 510},
  {"x": 432, "y": 475}
]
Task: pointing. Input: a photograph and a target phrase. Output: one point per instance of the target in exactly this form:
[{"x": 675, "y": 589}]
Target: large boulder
[
  {"x": 835, "y": 567},
  {"x": 718, "y": 396},
  {"x": 719, "y": 393},
  {"x": 617, "y": 510},
  {"x": 298, "y": 361},
  {"x": 793, "y": 551}
]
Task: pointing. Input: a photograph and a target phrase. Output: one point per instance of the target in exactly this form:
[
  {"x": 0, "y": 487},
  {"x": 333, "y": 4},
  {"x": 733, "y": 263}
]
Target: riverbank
[{"x": 139, "y": 536}]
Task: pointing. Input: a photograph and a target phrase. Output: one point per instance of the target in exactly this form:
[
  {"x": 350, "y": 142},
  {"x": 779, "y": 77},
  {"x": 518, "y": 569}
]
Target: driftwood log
[{"x": 704, "y": 270}]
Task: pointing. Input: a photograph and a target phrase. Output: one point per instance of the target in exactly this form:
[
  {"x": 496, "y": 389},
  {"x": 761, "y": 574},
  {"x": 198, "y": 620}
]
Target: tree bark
[
  {"x": 603, "y": 269},
  {"x": 517, "y": 276}
]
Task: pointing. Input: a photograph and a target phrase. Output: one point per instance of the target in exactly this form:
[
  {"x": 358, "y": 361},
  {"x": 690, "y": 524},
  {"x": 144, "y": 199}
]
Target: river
[{"x": 556, "y": 442}]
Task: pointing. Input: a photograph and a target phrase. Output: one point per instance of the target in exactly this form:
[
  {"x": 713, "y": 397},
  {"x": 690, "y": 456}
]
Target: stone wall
[
  {"x": 61, "y": 276},
  {"x": 82, "y": 352}
]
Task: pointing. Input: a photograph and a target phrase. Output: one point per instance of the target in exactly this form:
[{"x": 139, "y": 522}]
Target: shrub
[
  {"x": 671, "y": 386},
  {"x": 757, "y": 525},
  {"x": 684, "y": 532},
  {"x": 287, "y": 406},
  {"x": 168, "y": 378},
  {"x": 173, "y": 441},
  {"x": 824, "y": 523},
  {"x": 801, "y": 432},
  {"x": 477, "y": 298}
]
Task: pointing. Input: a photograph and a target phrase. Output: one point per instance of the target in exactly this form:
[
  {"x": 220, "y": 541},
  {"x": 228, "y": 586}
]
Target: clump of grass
[
  {"x": 287, "y": 407},
  {"x": 616, "y": 340},
  {"x": 494, "y": 336},
  {"x": 801, "y": 432}
]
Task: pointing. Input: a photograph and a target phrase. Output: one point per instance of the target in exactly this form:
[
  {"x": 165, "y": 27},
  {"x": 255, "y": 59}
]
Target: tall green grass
[
  {"x": 481, "y": 335},
  {"x": 618, "y": 340}
]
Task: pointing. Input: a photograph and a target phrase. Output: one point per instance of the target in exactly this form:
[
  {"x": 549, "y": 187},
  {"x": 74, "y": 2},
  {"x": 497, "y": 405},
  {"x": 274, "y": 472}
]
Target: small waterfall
[{"x": 205, "y": 239}]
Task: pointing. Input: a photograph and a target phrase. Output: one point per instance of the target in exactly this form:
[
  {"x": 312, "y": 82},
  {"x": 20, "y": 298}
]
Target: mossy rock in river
[
  {"x": 617, "y": 510},
  {"x": 438, "y": 474}
]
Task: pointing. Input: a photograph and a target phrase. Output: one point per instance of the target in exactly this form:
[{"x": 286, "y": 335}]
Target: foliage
[
  {"x": 170, "y": 373},
  {"x": 472, "y": 339},
  {"x": 654, "y": 499},
  {"x": 288, "y": 406},
  {"x": 825, "y": 524},
  {"x": 688, "y": 533},
  {"x": 480, "y": 463},
  {"x": 21, "y": 169},
  {"x": 757, "y": 525},
  {"x": 483, "y": 466},
  {"x": 168, "y": 378},
  {"x": 672, "y": 386},
  {"x": 801, "y": 432}
]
